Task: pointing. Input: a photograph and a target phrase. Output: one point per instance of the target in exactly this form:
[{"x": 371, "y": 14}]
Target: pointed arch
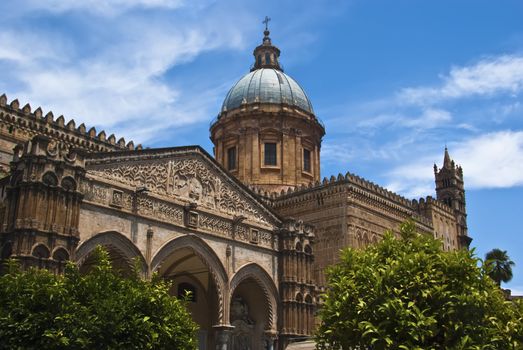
[
  {"x": 41, "y": 251},
  {"x": 110, "y": 239},
  {"x": 207, "y": 256},
  {"x": 265, "y": 281}
]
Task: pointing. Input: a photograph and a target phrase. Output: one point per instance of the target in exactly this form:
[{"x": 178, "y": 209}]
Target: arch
[
  {"x": 308, "y": 249},
  {"x": 40, "y": 251},
  {"x": 207, "y": 256},
  {"x": 308, "y": 299},
  {"x": 298, "y": 246},
  {"x": 299, "y": 297},
  {"x": 270, "y": 291},
  {"x": 110, "y": 239},
  {"x": 69, "y": 184},
  {"x": 60, "y": 254},
  {"x": 50, "y": 179}
]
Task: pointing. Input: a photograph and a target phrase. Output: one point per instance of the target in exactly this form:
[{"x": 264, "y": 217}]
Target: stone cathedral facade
[{"x": 248, "y": 230}]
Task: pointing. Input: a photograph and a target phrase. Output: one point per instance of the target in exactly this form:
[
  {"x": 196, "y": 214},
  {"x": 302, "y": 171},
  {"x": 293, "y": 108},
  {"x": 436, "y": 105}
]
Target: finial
[
  {"x": 266, "y": 22},
  {"x": 446, "y": 159},
  {"x": 266, "y": 55}
]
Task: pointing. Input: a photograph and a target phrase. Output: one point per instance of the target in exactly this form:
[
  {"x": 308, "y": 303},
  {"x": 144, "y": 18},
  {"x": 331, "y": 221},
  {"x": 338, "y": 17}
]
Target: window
[
  {"x": 270, "y": 154},
  {"x": 231, "y": 158},
  {"x": 306, "y": 160},
  {"x": 259, "y": 60},
  {"x": 267, "y": 58}
]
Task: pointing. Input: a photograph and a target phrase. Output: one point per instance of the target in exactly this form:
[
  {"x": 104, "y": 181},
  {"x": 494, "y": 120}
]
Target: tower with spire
[{"x": 450, "y": 190}]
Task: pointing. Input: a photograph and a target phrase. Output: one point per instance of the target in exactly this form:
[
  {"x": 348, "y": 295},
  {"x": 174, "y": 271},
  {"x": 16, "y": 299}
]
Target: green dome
[{"x": 267, "y": 85}]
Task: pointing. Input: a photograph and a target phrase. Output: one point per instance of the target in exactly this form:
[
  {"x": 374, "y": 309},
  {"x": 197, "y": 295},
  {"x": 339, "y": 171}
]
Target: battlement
[
  {"x": 428, "y": 201},
  {"x": 333, "y": 181},
  {"x": 37, "y": 123}
]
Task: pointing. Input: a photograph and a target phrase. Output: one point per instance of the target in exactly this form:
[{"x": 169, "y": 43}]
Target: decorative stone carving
[
  {"x": 215, "y": 224},
  {"x": 187, "y": 179},
  {"x": 117, "y": 198}
]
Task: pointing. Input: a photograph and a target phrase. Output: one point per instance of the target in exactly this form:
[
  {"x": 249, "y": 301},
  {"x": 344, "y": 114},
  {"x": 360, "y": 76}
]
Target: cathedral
[{"x": 248, "y": 230}]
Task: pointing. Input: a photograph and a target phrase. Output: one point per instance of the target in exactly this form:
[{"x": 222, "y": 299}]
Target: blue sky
[{"x": 393, "y": 81}]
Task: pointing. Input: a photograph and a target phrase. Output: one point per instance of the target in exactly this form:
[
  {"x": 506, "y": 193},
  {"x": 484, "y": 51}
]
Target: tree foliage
[
  {"x": 409, "y": 294},
  {"x": 99, "y": 310},
  {"x": 499, "y": 265}
]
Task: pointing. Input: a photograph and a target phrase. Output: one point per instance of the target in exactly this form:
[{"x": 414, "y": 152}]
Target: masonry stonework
[{"x": 248, "y": 232}]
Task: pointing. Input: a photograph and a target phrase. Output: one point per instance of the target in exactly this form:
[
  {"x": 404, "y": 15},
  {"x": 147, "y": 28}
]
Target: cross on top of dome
[{"x": 266, "y": 55}]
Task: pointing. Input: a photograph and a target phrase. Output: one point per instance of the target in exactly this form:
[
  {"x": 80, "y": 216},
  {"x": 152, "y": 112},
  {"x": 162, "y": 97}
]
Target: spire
[
  {"x": 266, "y": 55},
  {"x": 447, "y": 163}
]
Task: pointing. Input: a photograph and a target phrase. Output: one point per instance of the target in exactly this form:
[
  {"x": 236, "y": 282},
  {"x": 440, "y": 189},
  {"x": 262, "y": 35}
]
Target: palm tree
[{"x": 499, "y": 265}]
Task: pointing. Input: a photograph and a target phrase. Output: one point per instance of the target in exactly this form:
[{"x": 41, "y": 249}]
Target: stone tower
[
  {"x": 451, "y": 191},
  {"x": 266, "y": 133},
  {"x": 41, "y": 215}
]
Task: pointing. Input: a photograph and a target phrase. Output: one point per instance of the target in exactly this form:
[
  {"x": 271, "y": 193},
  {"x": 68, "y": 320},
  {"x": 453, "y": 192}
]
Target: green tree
[
  {"x": 499, "y": 265},
  {"x": 99, "y": 310},
  {"x": 409, "y": 294}
]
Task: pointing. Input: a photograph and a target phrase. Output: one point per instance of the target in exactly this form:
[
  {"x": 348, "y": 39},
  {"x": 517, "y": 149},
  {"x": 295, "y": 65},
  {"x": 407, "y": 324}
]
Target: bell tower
[{"x": 450, "y": 190}]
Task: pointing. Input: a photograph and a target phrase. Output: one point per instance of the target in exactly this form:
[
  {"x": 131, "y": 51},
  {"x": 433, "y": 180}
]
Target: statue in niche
[{"x": 243, "y": 332}]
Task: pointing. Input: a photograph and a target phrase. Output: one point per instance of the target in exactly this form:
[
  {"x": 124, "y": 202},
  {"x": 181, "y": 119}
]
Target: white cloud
[
  {"x": 426, "y": 119},
  {"x": 24, "y": 47},
  {"x": 503, "y": 74},
  {"x": 120, "y": 84},
  {"x": 492, "y": 160},
  {"x": 515, "y": 291},
  {"x": 102, "y": 7}
]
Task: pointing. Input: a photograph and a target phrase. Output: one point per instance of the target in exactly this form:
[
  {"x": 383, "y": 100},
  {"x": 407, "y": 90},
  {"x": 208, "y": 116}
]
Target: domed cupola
[{"x": 266, "y": 133}]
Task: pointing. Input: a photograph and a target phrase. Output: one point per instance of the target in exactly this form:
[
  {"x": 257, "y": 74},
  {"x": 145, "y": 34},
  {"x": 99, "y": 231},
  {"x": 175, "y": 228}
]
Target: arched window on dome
[
  {"x": 259, "y": 60},
  {"x": 267, "y": 58}
]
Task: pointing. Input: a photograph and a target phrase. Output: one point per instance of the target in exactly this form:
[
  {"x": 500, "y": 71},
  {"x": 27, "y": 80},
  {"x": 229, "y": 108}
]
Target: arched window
[
  {"x": 184, "y": 288},
  {"x": 50, "y": 179},
  {"x": 267, "y": 58},
  {"x": 69, "y": 184},
  {"x": 41, "y": 251},
  {"x": 308, "y": 249},
  {"x": 298, "y": 247},
  {"x": 61, "y": 255},
  {"x": 259, "y": 60}
]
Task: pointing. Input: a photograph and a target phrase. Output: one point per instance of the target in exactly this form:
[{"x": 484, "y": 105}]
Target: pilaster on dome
[{"x": 266, "y": 55}]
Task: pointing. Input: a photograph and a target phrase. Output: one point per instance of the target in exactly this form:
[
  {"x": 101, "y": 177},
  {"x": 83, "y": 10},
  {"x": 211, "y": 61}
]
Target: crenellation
[
  {"x": 71, "y": 125},
  {"x": 15, "y": 105},
  {"x": 49, "y": 117},
  {"x": 112, "y": 139},
  {"x": 130, "y": 146},
  {"x": 3, "y": 100},
  {"x": 101, "y": 135},
  {"x": 26, "y": 109},
  {"x": 81, "y": 129},
  {"x": 38, "y": 113},
  {"x": 60, "y": 121}
]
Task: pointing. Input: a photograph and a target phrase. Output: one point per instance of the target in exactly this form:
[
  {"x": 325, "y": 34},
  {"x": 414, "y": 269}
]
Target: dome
[{"x": 267, "y": 85}]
